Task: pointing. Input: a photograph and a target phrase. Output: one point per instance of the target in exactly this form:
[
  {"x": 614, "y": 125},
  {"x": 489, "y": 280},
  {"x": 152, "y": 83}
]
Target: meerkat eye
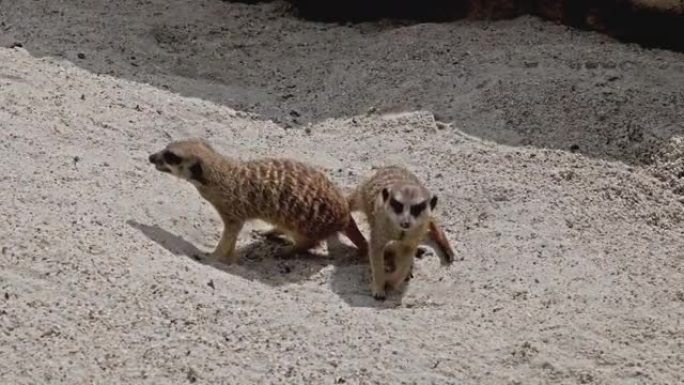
[
  {"x": 397, "y": 206},
  {"x": 171, "y": 158},
  {"x": 417, "y": 209}
]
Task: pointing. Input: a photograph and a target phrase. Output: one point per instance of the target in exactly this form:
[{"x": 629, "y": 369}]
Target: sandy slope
[{"x": 572, "y": 269}]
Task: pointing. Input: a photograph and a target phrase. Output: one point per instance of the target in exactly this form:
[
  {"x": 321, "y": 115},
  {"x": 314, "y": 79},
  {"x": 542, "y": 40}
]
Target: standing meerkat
[
  {"x": 399, "y": 210},
  {"x": 297, "y": 199}
]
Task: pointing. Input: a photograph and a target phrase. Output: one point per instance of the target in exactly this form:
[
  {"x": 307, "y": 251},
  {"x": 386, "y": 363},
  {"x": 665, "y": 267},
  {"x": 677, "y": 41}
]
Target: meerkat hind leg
[
  {"x": 301, "y": 245},
  {"x": 273, "y": 234}
]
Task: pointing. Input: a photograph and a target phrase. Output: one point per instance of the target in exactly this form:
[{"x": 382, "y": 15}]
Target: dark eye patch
[
  {"x": 171, "y": 158},
  {"x": 417, "y": 209},
  {"x": 397, "y": 206}
]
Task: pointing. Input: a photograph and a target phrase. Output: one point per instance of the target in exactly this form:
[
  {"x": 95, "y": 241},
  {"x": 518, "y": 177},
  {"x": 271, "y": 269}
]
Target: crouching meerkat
[
  {"x": 399, "y": 210},
  {"x": 297, "y": 199}
]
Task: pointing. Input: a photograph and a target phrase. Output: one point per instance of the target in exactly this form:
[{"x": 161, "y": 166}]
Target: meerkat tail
[
  {"x": 354, "y": 234},
  {"x": 354, "y": 200}
]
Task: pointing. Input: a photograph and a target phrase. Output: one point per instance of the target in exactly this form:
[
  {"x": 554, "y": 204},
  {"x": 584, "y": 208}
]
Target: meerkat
[
  {"x": 297, "y": 199},
  {"x": 399, "y": 210}
]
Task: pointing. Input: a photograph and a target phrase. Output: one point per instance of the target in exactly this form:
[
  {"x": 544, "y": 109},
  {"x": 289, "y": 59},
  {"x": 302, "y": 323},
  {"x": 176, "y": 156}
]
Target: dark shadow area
[
  {"x": 254, "y": 263},
  {"x": 519, "y": 82},
  {"x": 348, "y": 280},
  {"x": 356, "y": 11},
  {"x": 618, "y": 18},
  {"x": 351, "y": 283}
]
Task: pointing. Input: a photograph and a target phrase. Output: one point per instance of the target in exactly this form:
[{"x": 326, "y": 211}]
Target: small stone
[
  {"x": 77, "y": 159},
  {"x": 82, "y": 96},
  {"x": 211, "y": 284},
  {"x": 81, "y": 55},
  {"x": 192, "y": 375},
  {"x": 585, "y": 378},
  {"x": 574, "y": 148}
]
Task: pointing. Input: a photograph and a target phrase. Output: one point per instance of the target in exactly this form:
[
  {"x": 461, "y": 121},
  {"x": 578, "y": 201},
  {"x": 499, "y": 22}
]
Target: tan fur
[
  {"x": 297, "y": 199},
  {"x": 388, "y": 240}
]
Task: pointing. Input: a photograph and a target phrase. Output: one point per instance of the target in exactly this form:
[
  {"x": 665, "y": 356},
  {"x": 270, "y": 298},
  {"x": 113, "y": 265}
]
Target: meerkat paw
[
  {"x": 395, "y": 283},
  {"x": 420, "y": 252},
  {"x": 301, "y": 247},
  {"x": 379, "y": 294},
  {"x": 219, "y": 256},
  {"x": 448, "y": 257}
]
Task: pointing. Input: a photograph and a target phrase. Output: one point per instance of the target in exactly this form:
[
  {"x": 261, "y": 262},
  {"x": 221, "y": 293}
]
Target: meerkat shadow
[
  {"x": 257, "y": 259},
  {"x": 352, "y": 284},
  {"x": 350, "y": 280}
]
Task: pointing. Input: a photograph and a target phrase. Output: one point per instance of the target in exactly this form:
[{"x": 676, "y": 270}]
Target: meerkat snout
[{"x": 183, "y": 160}]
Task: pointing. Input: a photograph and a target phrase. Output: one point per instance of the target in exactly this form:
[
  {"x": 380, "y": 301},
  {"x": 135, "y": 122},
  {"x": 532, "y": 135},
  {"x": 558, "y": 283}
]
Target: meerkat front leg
[
  {"x": 377, "y": 265},
  {"x": 437, "y": 235},
  {"x": 225, "y": 250}
]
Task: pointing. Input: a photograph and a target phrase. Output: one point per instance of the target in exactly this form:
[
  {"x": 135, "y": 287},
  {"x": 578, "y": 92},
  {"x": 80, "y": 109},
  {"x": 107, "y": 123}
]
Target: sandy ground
[{"x": 560, "y": 180}]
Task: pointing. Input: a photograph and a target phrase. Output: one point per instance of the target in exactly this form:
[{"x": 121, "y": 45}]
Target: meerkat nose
[
  {"x": 404, "y": 225},
  {"x": 153, "y": 158}
]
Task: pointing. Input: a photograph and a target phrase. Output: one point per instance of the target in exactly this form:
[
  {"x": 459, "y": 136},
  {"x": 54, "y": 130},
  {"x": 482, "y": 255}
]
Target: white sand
[{"x": 572, "y": 269}]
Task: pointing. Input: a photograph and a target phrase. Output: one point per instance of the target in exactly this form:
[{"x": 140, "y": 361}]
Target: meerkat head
[
  {"x": 184, "y": 159},
  {"x": 408, "y": 205}
]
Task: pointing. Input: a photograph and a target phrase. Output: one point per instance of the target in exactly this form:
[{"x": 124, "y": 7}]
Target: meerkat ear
[
  {"x": 385, "y": 194},
  {"x": 433, "y": 202},
  {"x": 197, "y": 172}
]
